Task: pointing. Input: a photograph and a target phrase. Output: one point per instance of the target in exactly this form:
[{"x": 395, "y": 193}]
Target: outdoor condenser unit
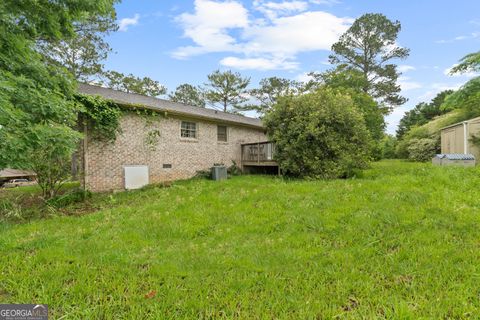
[{"x": 219, "y": 172}]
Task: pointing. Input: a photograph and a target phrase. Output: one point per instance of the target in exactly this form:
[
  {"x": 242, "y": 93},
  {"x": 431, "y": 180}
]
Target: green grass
[{"x": 401, "y": 242}]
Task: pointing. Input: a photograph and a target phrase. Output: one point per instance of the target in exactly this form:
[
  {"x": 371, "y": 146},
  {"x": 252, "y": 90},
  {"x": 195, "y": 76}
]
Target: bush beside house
[{"x": 319, "y": 135}]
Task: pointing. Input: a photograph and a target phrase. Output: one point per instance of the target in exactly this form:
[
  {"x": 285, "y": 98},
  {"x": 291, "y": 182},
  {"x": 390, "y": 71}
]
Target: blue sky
[{"x": 178, "y": 42}]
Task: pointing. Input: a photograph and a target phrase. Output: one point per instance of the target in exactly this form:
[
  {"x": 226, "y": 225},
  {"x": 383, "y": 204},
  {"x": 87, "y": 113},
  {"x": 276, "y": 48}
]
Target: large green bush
[
  {"x": 319, "y": 135},
  {"x": 422, "y": 150}
]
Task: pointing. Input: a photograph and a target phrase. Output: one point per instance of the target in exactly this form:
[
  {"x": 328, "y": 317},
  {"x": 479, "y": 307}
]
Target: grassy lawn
[{"x": 403, "y": 242}]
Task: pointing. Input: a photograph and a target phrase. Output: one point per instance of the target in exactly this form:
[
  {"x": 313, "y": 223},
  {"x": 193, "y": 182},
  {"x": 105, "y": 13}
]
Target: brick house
[{"x": 189, "y": 139}]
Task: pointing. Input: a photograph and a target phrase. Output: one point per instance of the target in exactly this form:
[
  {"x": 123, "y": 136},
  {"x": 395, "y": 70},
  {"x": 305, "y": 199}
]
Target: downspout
[
  {"x": 465, "y": 137},
  {"x": 85, "y": 157}
]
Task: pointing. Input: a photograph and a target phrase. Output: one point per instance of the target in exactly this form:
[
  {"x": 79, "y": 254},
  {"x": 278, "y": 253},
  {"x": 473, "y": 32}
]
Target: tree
[
  {"x": 423, "y": 113},
  {"x": 339, "y": 77},
  {"x": 228, "y": 89},
  {"x": 188, "y": 94},
  {"x": 132, "y": 84},
  {"x": 388, "y": 146},
  {"x": 37, "y": 113},
  {"x": 270, "y": 90},
  {"x": 468, "y": 96},
  {"x": 368, "y": 46},
  {"x": 352, "y": 81},
  {"x": 469, "y": 63},
  {"x": 318, "y": 135},
  {"x": 83, "y": 54}
]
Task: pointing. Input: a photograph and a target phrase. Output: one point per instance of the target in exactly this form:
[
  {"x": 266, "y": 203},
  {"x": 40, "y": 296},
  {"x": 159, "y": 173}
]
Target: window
[
  {"x": 188, "y": 130},
  {"x": 222, "y": 133}
]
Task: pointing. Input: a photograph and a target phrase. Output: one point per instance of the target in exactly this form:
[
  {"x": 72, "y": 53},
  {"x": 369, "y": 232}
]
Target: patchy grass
[{"x": 401, "y": 242}]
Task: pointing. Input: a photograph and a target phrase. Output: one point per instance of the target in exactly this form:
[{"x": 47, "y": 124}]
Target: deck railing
[{"x": 260, "y": 152}]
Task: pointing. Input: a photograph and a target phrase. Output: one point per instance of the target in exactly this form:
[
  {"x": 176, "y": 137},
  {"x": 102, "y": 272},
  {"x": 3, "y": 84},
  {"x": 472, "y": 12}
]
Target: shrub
[
  {"x": 319, "y": 135},
  {"x": 234, "y": 169},
  {"x": 11, "y": 210},
  {"x": 422, "y": 149},
  {"x": 49, "y": 156},
  {"x": 75, "y": 196}
]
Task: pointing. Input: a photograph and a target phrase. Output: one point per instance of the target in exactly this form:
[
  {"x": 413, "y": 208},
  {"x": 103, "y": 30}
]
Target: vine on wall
[
  {"x": 103, "y": 118},
  {"x": 101, "y": 115}
]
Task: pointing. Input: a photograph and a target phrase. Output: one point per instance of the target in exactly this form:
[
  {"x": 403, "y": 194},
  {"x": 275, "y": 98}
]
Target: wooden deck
[{"x": 259, "y": 154}]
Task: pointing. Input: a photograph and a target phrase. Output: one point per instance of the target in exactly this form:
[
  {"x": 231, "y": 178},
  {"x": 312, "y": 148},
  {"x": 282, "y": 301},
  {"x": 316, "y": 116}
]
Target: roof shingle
[{"x": 168, "y": 106}]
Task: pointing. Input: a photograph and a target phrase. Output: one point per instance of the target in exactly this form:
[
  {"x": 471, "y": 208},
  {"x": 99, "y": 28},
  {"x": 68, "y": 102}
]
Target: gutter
[{"x": 191, "y": 116}]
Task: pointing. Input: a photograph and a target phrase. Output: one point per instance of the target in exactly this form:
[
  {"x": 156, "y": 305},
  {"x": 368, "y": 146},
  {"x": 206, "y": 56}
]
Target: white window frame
[
  {"x": 226, "y": 133},
  {"x": 188, "y": 130}
]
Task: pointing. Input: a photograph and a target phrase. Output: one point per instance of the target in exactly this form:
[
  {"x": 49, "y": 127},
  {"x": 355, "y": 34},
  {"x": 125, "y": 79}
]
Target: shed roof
[
  {"x": 460, "y": 123},
  {"x": 168, "y": 106},
  {"x": 456, "y": 156},
  {"x": 13, "y": 173}
]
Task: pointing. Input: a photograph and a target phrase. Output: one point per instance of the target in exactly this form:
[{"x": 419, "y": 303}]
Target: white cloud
[
  {"x": 308, "y": 31},
  {"x": 406, "y": 84},
  {"x": 468, "y": 74},
  {"x": 327, "y": 2},
  {"x": 475, "y": 22},
  {"x": 405, "y": 68},
  {"x": 304, "y": 77},
  {"x": 124, "y": 23},
  {"x": 287, "y": 31},
  {"x": 258, "y": 63},
  {"x": 473, "y": 35},
  {"x": 208, "y": 27},
  {"x": 273, "y": 10}
]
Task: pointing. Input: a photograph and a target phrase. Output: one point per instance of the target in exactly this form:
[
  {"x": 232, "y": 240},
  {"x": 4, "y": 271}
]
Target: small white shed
[
  {"x": 454, "y": 159},
  {"x": 456, "y": 138}
]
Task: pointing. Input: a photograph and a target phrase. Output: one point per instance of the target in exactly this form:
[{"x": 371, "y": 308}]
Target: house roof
[
  {"x": 181, "y": 109},
  {"x": 14, "y": 173},
  {"x": 456, "y": 156}
]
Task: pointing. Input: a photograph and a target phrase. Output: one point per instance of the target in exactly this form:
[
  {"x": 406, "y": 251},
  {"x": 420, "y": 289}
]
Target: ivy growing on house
[
  {"x": 151, "y": 139},
  {"x": 153, "y": 134},
  {"x": 103, "y": 118},
  {"x": 101, "y": 115}
]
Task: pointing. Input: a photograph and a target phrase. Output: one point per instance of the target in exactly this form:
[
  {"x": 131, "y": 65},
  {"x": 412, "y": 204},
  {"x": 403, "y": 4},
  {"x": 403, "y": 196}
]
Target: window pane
[
  {"x": 188, "y": 129},
  {"x": 221, "y": 133}
]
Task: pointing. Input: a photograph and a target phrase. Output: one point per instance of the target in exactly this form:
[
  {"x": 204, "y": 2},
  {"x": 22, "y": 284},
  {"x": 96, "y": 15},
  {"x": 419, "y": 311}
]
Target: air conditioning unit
[{"x": 219, "y": 172}]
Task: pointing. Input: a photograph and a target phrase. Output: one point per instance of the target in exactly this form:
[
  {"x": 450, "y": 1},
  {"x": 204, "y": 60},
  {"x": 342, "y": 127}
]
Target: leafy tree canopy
[
  {"x": 471, "y": 62},
  {"x": 37, "y": 113},
  {"x": 353, "y": 82},
  {"x": 468, "y": 96},
  {"x": 188, "y": 94},
  {"x": 423, "y": 113},
  {"x": 226, "y": 89},
  {"x": 132, "y": 84},
  {"x": 369, "y": 46},
  {"x": 83, "y": 53},
  {"x": 270, "y": 90}
]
